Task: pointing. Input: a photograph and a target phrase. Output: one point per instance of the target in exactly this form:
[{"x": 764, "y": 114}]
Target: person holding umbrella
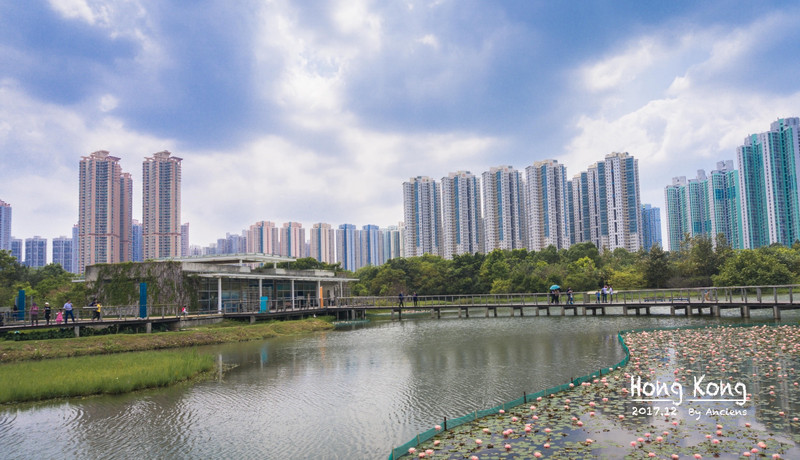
[{"x": 554, "y": 293}]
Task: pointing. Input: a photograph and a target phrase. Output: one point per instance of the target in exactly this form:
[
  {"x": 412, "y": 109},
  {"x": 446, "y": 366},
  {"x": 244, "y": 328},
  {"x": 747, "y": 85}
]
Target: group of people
[
  {"x": 400, "y": 298},
  {"x": 606, "y": 293},
  {"x": 555, "y": 296},
  {"x": 63, "y": 315}
]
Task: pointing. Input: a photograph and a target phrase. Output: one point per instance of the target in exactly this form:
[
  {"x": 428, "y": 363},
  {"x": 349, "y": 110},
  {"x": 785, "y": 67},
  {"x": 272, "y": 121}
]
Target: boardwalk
[{"x": 688, "y": 302}]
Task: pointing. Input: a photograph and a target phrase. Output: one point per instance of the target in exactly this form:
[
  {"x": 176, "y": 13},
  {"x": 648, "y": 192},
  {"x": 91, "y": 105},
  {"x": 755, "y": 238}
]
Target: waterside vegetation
[
  {"x": 582, "y": 267},
  {"x": 33, "y": 370}
]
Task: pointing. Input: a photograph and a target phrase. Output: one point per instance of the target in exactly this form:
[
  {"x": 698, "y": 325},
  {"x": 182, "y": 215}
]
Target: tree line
[
  {"x": 50, "y": 283},
  {"x": 582, "y": 267}
]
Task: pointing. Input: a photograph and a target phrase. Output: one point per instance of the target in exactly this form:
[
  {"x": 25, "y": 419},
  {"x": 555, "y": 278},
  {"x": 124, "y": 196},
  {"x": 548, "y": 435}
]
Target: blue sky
[{"x": 318, "y": 111}]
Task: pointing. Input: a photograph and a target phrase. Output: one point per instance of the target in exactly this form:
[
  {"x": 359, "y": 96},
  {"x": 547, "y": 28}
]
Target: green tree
[
  {"x": 751, "y": 267},
  {"x": 657, "y": 269}
]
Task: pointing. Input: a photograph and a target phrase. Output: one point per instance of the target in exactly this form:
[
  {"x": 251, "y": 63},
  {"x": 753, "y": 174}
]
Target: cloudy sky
[{"x": 319, "y": 111}]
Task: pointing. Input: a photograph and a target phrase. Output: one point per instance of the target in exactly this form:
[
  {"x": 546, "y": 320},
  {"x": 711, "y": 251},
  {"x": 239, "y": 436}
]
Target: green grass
[{"x": 100, "y": 374}]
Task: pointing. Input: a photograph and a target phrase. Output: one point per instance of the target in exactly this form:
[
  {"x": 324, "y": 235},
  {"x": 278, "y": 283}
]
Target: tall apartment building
[
  {"x": 423, "y": 217},
  {"x": 547, "y": 198},
  {"x": 725, "y": 207},
  {"x": 624, "y": 202},
  {"x": 322, "y": 243},
  {"x": 651, "y": 227},
  {"x": 185, "y": 239},
  {"x": 263, "y": 237},
  {"x": 706, "y": 206},
  {"x": 393, "y": 242},
  {"x": 137, "y": 254},
  {"x": 5, "y": 226},
  {"x": 75, "y": 247},
  {"x": 503, "y": 207},
  {"x": 293, "y": 240},
  {"x": 598, "y": 205},
  {"x": 677, "y": 203},
  {"x": 769, "y": 184},
  {"x": 62, "y": 252},
  {"x": 16, "y": 249},
  {"x": 580, "y": 222},
  {"x": 371, "y": 242},
  {"x": 36, "y": 251},
  {"x": 105, "y": 208},
  {"x": 347, "y": 247},
  {"x": 161, "y": 206},
  {"x": 462, "y": 225}
]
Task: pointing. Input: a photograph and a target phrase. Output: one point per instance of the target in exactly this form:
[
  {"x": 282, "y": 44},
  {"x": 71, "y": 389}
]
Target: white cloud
[
  {"x": 618, "y": 70},
  {"x": 429, "y": 40},
  {"x": 75, "y": 9}
]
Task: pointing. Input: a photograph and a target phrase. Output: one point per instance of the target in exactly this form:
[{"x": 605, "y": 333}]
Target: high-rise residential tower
[
  {"x": 263, "y": 238},
  {"x": 62, "y": 252},
  {"x": 725, "y": 207},
  {"x": 16, "y": 249},
  {"x": 580, "y": 224},
  {"x": 769, "y": 184},
  {"x": 5, "y": 226},
  {"x": 392, "y": 242},
  {"x": 185, "y": 239},
  {"x": 677, "y": 203},
  {"x": 105, "y": 208},
  {"x": 347, "y": 248},
  {"x": 423, "y": 216},
  {"x": 322, "y": 243},
  {"x": 36, "y": 251},
  {"x": 161, "y": 206},
  {"x": 651, "y": 227},
  {"x": 598, "y": 205},
  {"x": 293, "y": 240},
  {"x": 461, "y": 214},
  {"x": 503, "y": 206},
  {"x": 547, "y": 198},
  {"x": 136, "y": 242},
  {"x": 623, "y": 202},
  {"x": 371, "y": 246}
]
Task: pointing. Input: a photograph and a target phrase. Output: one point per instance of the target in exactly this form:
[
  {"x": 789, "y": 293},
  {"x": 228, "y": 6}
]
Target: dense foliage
[
  {"x": 583, "y": 267},
  {"x": 50, "y": 283}
]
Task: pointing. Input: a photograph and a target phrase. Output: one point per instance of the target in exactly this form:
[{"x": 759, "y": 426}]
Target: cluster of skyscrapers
[
  {"x": 106, "y": 231},
  {"x": 754, "y": 206},
  {"x": 508, "y": 209},
  {"x": 351, "y": 247}
]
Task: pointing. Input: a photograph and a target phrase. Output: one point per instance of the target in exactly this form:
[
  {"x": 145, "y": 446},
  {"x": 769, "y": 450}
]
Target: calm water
[{"x": 339, "y": 394}]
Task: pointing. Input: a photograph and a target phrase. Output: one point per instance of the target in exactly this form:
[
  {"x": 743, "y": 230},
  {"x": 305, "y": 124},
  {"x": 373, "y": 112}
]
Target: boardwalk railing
[{"x": 782, "y": 295}]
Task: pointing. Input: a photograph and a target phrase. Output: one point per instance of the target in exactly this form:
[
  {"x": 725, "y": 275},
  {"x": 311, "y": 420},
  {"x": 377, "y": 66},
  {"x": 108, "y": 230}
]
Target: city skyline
[{"x": 298, "y": 112}]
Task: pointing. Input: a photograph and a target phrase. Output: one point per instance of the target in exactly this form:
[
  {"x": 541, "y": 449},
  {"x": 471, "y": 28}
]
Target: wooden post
[{"x": 776, "y": 312}]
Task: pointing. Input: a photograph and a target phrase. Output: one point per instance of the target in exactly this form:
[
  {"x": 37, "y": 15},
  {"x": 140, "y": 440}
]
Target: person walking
[
  {"x": 610, "y": 294},
  {"x": 96, "y": 311},
  {"x": 68, "y": 313},
  {"x": 47, "y": 312},
  {"x": 34, "y": 314},
  {"x": 604, "y": 291},
  {"x": 400, "y": 297},
  {"x": 415, "y": 298},
  {"x": 570, "y": 296}
]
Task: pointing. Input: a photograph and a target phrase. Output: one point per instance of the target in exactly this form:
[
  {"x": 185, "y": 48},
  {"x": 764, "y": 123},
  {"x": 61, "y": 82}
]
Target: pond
[{"x": 352, "y": 393}]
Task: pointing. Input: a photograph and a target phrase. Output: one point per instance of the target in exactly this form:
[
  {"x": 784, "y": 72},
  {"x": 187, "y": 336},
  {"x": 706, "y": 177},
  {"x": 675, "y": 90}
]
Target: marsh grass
[{"x": 100, "y": 374}]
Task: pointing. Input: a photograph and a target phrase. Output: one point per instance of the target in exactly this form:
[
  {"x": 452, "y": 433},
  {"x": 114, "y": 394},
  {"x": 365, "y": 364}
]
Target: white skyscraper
[
  {"x": 423, "y": 217},
  {"x": 5, "y": 226},
  {"x": 503, "y": 206},
  {"x": 322, "y": 244},
  {"x": 462, "y": 224},
  {"x": 547, "y": 200},
  {"x": 623, "y": 202},
  {"x": 62, "y": 252}
]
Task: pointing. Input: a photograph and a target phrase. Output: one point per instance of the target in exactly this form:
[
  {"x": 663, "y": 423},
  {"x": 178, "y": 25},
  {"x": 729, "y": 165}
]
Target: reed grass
[{"x": 99, "y": 374}]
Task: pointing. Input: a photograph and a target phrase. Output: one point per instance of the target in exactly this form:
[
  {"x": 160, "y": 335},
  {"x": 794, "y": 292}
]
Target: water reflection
[{"x": 337, "y": 394}]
